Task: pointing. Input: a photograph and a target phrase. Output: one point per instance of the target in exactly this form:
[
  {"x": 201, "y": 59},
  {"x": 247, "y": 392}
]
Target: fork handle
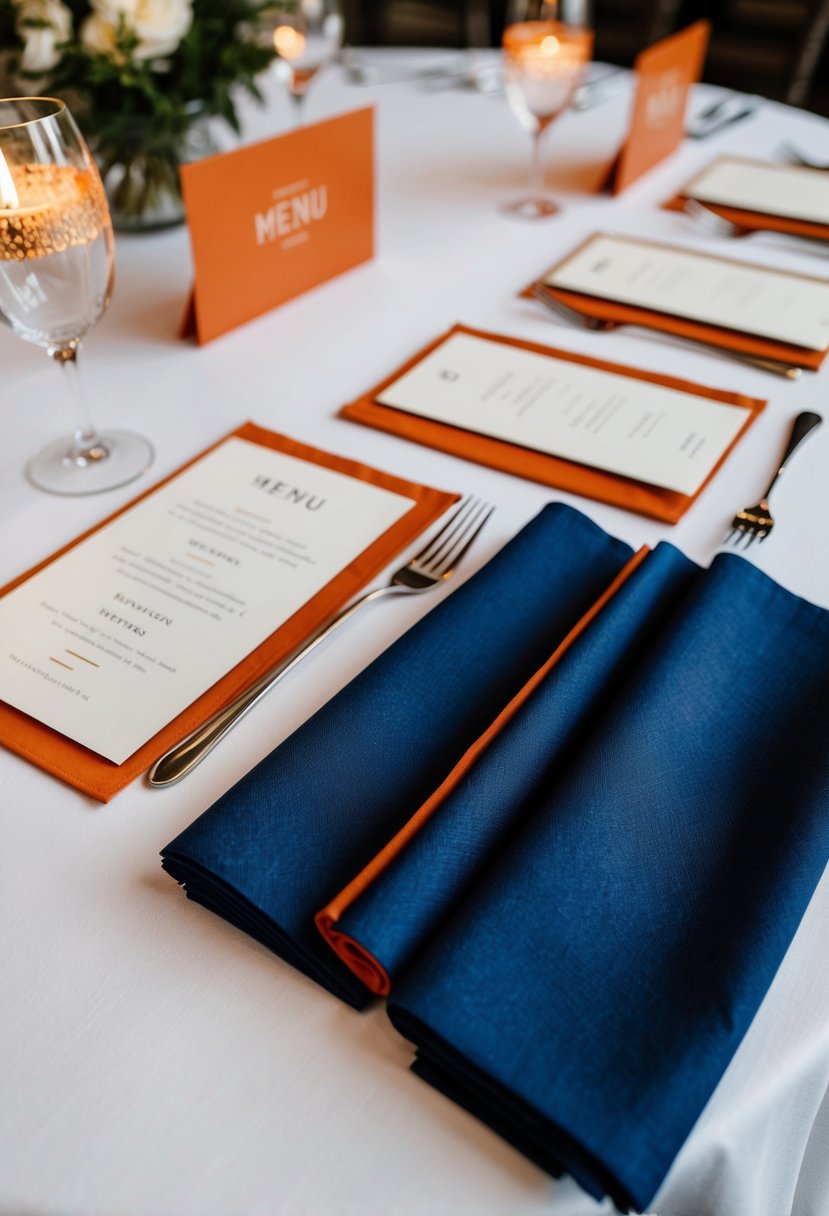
[
  {"x": 184, "y": 756},
  {"x": 804, "y": 424},
  {"x": 777, "y": 366}
]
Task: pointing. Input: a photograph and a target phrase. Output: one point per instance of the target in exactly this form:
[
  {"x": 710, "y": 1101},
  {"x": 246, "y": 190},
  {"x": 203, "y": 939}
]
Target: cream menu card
[{"x": 114, "y": 639}]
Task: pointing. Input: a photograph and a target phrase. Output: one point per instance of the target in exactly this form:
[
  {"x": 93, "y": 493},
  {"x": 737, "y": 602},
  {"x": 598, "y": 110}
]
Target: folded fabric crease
[{"x": 579, "y": 932}]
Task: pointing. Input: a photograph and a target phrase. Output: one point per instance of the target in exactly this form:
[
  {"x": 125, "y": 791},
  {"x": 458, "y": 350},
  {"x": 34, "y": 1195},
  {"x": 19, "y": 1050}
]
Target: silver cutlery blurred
[
  {"x": 599, "y": 89},
  {"x": 716, "y": 225},
  {"x": 433, "y": 565},
  {"x": 796, "y": 157},
  {"x": 481, "y": 77},
  {"x": 723, "y": 113},
  {"x": 566, "y": 312},
  {"x": 755, "y": 523},
  {"x": 364, "y": 72}
]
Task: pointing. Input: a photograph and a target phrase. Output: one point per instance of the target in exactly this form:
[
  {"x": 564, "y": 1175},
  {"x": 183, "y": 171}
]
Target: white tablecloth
[{"x": 155, "y": 1061}]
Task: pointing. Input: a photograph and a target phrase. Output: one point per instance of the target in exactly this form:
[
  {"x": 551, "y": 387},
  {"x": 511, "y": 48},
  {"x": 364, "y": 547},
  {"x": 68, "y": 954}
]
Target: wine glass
[
  {"x": 56, "y": 274},
  {"x": 307, "y": 34},
  {"x": 547, "y": 45}
]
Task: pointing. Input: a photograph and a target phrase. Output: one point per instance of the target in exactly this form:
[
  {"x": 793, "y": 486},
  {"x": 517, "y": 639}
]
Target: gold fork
[{"x": 755, "y": 523}]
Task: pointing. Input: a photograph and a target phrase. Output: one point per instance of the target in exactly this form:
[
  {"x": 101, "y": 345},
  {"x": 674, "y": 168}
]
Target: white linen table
[{"x": 155, "y": 1061}]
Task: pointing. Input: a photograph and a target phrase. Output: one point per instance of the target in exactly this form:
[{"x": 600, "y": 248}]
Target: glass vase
[{"x": 140, "y": 170}]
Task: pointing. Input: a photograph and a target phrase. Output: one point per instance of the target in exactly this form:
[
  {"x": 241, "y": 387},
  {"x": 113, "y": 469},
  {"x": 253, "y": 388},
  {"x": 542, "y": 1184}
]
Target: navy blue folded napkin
[
  {"x": 638, "y": 847},
  {"x": 294, "y": 831},
  {"x": 396, "y": 911}
]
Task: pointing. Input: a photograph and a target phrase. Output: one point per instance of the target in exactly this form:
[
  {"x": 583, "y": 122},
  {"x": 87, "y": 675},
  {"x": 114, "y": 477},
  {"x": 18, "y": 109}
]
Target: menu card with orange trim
[
  {"x": 664, "y": 75},
  {"x": 760, "y": 195},
  {"x": 118, "y": 636},
  {"x": 650, "y": 432},
  {"x": 635, "y": 439},
  {"x": 768, "y": 303},
  {"x": 272, "y": 220}
]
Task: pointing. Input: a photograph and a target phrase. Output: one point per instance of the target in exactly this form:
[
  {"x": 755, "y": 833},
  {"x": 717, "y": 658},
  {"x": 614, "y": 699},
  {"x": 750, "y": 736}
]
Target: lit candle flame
[
  {"x": 549, "y": 45},
  {"x": 290, "y": 43},
  {"x": 9, "y": 200}
]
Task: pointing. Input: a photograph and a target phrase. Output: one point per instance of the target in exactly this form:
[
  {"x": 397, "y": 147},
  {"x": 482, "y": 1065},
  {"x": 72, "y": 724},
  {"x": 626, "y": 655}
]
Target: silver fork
[
  {"x": 724, "y": 113},
  {"x": 796, "y": 157},
  {"x": 716, "y": 224},
  {"x": 543, "y": 294},
  {"x": 756, "y": 522},
  {"x": 435, "y": 563}
]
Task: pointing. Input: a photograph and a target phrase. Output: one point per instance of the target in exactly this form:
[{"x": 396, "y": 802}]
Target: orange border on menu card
[
  {"x": 753, "y": 221},
  {"x": 92, "y": 774},
  {"x": 700, "y": 331},
  {"x": 666, "y": 505}
]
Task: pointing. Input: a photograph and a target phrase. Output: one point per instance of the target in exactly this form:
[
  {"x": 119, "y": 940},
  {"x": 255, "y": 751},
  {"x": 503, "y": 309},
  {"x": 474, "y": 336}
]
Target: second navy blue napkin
[{"x": 587, "y": 994}]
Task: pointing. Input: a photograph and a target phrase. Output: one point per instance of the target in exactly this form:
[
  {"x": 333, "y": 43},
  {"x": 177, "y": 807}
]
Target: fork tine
[
  {"x": 447, "y": 537},
  {"x": 463, "y": 507},
  {"x": 453, "y": 558},
  {"x": 450, "y": 542}
]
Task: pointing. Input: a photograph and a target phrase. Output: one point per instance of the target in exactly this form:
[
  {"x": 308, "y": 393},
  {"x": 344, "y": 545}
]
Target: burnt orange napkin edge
[{"x": 364, "y": 965}]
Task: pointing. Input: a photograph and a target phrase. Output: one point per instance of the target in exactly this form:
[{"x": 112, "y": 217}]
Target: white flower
[
  {"x": 159, "y": 25},
  {"x": 41, "y": 24}
]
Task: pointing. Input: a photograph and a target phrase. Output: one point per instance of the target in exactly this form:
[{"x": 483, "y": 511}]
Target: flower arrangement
[{"x": 141, "y": 76}]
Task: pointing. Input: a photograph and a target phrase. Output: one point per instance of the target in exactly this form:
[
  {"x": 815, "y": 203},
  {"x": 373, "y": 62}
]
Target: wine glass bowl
[
  {"x": 56, "y": 276},
  {"x": 543, "y": 65},
  {"x": 544, "y": 62},
  {"x": 306, "y": 34},
  {"x": 57, "y": 265}
]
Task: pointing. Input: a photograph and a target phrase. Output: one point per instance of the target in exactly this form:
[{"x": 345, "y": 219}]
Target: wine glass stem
[
  {"x": 298, "y": 107},
  {"x": 536, "y": 168},
  {"x": 87, "y": 446}
]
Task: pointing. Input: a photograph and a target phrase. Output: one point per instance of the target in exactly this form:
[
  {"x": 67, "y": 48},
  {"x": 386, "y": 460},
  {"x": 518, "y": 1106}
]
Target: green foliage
[{"x": 120, "y": 98}]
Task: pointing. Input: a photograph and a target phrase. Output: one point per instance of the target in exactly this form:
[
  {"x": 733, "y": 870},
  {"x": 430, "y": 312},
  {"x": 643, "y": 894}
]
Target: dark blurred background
[{"x": 777, "y": 48}]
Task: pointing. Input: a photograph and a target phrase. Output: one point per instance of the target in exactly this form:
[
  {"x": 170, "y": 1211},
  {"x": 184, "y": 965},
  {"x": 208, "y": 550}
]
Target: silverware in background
[
  {"x": 566, "y": 312},
  {"x": 723, "y": 113},
  {"x": 714, "y": 224},
  {"x": 599, "y": 89},
  {"x": 362, "y": 71},
  {"x": 756, "y": 523},
  {"x": 717, "y": 225},
  {"x": 794, "y": 156},
  {"x": 463, "y": 70},
  {"x": 433, "y": 565}
]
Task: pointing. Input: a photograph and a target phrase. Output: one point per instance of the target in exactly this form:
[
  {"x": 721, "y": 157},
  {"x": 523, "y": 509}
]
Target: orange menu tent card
[
  {"x": 664, "y": 73},
  {"x": 272, "y": 220}
]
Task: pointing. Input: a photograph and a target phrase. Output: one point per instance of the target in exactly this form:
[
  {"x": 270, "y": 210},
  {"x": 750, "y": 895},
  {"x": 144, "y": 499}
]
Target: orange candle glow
[
  {"x": 45, "y": 209},
  {"x": 545, "y": 61}
]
